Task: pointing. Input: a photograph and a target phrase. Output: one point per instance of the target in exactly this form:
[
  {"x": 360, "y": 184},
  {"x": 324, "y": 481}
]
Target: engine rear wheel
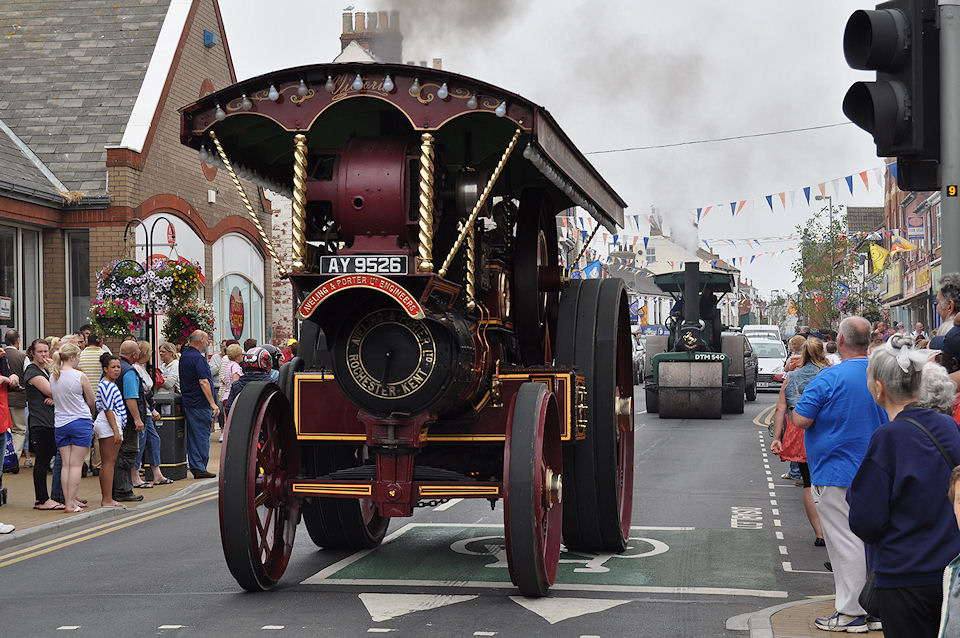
[
  {"x": 599, "y": 469},
  {"x": 258, "y": 515},
  {"x": 533, "y": 495}
]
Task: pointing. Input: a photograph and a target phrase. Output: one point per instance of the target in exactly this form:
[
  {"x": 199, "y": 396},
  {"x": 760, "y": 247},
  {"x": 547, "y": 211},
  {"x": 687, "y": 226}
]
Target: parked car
[
  {"x": 750, "y": 366},
  {"x": 639, "y": 351},
  {"x": 770, "y": 357},
  {"x": 763, "y": 331}
]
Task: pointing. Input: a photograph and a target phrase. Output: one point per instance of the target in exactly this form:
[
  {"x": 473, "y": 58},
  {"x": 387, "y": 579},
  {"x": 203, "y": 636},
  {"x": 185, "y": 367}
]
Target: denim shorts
[{"x": 77, "y": 432}]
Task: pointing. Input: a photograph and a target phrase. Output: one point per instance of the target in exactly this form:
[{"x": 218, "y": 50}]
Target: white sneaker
[
  {"x": 6, "y": 529},
  {"x": 221, "y": 437}
]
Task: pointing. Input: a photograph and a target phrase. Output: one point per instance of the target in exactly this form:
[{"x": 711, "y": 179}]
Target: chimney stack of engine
[{"x": 377, "y": 31}]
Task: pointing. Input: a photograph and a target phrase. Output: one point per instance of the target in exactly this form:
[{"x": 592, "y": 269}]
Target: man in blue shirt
[
  {"x": 839, "y": 416},
  {"x": 199, "y": 407},
  {"x": 132, "y": 392}
]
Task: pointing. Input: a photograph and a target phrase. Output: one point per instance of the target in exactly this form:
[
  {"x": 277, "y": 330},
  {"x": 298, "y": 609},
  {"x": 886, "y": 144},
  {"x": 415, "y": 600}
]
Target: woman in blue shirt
[{"x": 897, "y": 502}]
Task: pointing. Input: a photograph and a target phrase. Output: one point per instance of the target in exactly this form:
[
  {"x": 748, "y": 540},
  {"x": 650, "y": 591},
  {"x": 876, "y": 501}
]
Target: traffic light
[{"x": 901, "y": 109}]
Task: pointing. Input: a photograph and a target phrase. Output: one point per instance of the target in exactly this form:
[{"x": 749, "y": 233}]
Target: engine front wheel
[
  {"x": 533, "y": 494},
  {"x": 258, "y": 515}
]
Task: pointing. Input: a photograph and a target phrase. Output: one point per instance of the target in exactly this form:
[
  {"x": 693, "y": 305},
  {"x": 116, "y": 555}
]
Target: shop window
[{"x": 238, "y": 270}]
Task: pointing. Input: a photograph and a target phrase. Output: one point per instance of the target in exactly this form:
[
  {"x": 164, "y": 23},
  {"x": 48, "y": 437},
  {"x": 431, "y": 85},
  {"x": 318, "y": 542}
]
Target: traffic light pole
[{"x": 950, "y": 134}]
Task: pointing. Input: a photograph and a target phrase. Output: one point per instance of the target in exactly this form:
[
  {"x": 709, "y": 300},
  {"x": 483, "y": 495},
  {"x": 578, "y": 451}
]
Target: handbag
[
  {"x": 868, "y": 595},
  {"x": 10, "y": 459}
]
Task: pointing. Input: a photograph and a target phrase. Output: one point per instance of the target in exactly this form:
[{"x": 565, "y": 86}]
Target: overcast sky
[{"x": 624, "y": 74}]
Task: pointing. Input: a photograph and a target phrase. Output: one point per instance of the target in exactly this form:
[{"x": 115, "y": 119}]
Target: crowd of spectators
[
  {"x": 875, "y": 433},
  {"x": 73, "y": 407}
]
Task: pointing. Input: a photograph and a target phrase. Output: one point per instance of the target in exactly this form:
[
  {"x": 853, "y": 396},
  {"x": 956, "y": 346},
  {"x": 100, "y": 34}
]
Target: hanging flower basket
[
  {"x": 117, "y": 317},
  {"x": 184, "y": 279},
  {"x": 122, "y": 279},
  {"x": 184, "y": 318}
]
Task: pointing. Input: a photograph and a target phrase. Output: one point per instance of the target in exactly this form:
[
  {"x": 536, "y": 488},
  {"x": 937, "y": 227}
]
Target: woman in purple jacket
[{"x": 898, "y": 504}]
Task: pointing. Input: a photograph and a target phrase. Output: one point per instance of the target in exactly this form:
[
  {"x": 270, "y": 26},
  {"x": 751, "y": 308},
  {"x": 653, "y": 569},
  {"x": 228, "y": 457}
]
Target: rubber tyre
[
  {"x": 652, "y": 400},
  {"x": 581, "y": 529},
  {"x": 752, "y": 391},
  {"x": 339, "y": 523},
  {"x": 733, "y": 398},
  {"x": 258, "y": 516},
  {"x": 533, "y": 516},
  {"x": 599, "y": 470}
]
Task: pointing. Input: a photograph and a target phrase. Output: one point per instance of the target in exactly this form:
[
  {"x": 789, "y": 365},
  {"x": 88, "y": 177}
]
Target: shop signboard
[
  {"x": 236, "y": 313},
  {"x": 652, "y": 329},
  {"x": 916, "y": 228},
  {"x": 923, "y": 279},
  {"x": 909, "y": 284},
  {"x": 894, "y": 279},
  {"x": 935, "y": 274},
  {"x": 6, "y": 308}
]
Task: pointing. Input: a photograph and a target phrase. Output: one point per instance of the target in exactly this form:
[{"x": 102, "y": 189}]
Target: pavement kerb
[
  {"x": 759, "y": 623},
  {"x": 37, "y": 532}
]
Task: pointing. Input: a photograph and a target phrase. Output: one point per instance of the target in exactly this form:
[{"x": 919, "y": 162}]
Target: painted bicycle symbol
[{"x": 591, "y": 563}]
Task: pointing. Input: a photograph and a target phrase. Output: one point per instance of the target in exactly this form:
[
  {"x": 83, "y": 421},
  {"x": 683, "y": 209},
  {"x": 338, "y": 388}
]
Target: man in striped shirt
[{"x": 90, "y": 366}]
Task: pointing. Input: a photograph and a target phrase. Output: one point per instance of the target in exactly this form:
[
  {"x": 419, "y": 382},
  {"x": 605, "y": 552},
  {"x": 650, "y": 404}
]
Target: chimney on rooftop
[
  {"x": 377, "y": 32},
  {"x": 438, "y": 63}
]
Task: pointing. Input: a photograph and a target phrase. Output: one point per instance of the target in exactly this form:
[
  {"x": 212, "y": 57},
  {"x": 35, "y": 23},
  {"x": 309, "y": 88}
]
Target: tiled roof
[
  {"x": 70, "y": 76},
  {"x": 17, "y": 170}
]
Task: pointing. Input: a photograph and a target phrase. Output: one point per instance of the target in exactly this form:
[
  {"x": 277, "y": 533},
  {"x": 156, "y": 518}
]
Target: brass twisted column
[
  {"x": 246, "y": 202},
  {"x": 299, "y": 222},
  {"x": 480, "y": 202},
  {"x": 471, "y": 269},
  {"x": 425, "y": 247}
]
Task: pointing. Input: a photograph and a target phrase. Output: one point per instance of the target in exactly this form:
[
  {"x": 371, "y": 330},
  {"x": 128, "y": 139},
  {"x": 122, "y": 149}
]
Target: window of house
[
  {"x": 20, "y": 282},
  {"x": 78, "y": 279}
]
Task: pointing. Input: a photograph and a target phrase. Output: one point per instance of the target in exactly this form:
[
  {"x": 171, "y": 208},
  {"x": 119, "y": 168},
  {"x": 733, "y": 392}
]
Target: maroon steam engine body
[{"x": 443, "y": 352}]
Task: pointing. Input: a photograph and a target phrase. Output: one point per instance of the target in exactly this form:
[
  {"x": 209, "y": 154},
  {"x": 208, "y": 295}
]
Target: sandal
[
  {"x": 165, "y": 481},
  {"x": 144, "y": 486},
  {"x": 57, "y": 507}
]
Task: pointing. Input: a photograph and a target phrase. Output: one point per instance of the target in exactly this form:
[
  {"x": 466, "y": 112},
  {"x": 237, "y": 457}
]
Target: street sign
[{"x": 916, "y": 228}]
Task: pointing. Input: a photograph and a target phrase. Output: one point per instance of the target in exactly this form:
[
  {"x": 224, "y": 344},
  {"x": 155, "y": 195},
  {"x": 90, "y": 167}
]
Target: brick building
[
  {"x": 912, "y": 278},
  {"x": 89, "y": 139}
]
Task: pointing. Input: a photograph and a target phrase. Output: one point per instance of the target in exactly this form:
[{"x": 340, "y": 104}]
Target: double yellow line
[
  {"x": 762, "y": 420},
  {"x": 60, "y": 542}
]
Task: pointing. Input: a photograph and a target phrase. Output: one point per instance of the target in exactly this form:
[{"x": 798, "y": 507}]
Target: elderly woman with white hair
[{"x": 898, "y": 503}]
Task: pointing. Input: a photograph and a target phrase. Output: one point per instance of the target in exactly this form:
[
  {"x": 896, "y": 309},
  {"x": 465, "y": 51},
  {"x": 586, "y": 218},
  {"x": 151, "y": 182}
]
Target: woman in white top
[
  {"x": 73, "y": 404},
  {"x": 170, "y": 367},
  {"x": 111, "y": 415}
]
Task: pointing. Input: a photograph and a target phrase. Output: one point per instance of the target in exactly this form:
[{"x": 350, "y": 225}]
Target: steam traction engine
[{"x": 443, "y": 353}]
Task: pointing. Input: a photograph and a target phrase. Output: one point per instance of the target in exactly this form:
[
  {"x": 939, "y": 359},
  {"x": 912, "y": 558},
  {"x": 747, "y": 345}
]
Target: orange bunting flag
[
  {"x": 823, "y": 189},
  {"x": 740, "y": 206},
  {"x": 783, "y": 199},
  {"x": 705, "y": 211},
  {"x": 866, "y": 182}
]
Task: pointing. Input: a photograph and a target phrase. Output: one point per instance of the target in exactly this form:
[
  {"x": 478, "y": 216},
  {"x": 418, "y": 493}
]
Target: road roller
[{"x": 695, "y": 371}]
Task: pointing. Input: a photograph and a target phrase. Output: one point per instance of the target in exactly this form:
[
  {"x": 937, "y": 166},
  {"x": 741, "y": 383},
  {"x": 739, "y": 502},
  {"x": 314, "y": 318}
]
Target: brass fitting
[
  {"x": 299, "y": 199},
  {"x": 425, "y": 248}
]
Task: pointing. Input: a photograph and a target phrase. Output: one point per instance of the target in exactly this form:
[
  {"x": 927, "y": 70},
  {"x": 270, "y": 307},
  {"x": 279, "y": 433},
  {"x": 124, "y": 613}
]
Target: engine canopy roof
[{"x": 256, "y": 120}]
